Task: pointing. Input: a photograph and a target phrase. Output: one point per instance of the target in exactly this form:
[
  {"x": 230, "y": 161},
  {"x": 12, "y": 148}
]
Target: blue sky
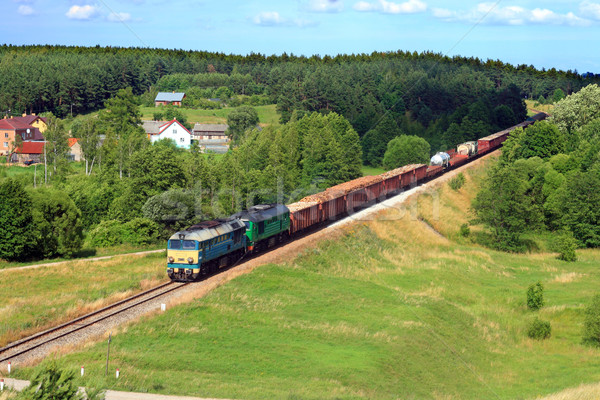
[{"x": 552, "y": 33}]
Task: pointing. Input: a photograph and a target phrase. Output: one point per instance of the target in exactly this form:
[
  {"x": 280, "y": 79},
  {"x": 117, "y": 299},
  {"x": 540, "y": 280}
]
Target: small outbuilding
[{"x": 166, "y": 98}]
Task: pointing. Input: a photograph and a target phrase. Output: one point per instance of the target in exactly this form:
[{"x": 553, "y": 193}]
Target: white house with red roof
[{"x": 175, "y": 131}]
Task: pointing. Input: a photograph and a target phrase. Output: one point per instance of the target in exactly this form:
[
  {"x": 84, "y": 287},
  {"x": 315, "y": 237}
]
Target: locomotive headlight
[
  {"x": 190, "y": 260},
  {"x": 171, "y": 260}
]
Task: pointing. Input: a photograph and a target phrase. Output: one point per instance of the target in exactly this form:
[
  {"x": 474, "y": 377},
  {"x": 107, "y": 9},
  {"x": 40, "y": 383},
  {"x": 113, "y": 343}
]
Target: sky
[{"x": 546, "y": 34}]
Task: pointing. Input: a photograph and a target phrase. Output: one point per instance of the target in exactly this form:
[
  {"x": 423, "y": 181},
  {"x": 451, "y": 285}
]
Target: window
[
  {"x": 189, "y": 245},
  {"x": 175, "y": 131},
  {"x": 182, "y": 140},
  {"x": 175, "y": 244},
  {"x": 261, "y": 227},
  {"x": 5, "y": 135},
  {"x": 5, "y": 144}
]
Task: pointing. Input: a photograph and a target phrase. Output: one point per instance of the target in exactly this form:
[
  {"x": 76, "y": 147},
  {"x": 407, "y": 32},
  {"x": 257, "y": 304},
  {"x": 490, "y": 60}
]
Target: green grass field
[
  {"x": 34, "y": 299},
  {"x": 267, "y": 115},
  {"x": 390, "y": 310}
]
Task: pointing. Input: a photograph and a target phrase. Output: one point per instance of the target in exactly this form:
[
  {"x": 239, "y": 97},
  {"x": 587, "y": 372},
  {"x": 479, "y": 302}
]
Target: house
[
  {"x": 166, "y": 98},
  {"x": 212, "y": 137},
  {"x": 7, "y": 137},
  {"x": 175, "y": 131},
  {"x": 75, "y": 153},
  {"x": 41, "y": 123},
  {"x": 10, "y": 128},
  {"x": 29, "y": 151},
  {"x": 152, "y": 127},
  {"x": 210, "y": 132}
]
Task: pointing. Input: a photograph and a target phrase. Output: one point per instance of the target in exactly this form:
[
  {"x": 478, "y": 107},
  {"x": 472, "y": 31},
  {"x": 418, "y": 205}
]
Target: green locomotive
[{"x": 266, "y": 225}]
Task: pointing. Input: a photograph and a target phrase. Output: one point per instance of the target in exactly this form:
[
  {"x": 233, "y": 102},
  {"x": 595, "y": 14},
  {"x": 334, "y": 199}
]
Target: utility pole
[{"x": 108, "y": 353}]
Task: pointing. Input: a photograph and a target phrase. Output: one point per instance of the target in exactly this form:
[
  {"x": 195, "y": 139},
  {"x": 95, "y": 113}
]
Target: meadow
[
  {"x": 267, "y": 115},
  {"x": 39, "y": 298},
  {"x": 399, "y": 307}
]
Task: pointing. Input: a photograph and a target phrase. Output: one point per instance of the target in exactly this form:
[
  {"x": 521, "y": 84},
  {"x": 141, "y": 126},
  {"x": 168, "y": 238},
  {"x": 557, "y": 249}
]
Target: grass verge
[{"x": 36, "y": 299}]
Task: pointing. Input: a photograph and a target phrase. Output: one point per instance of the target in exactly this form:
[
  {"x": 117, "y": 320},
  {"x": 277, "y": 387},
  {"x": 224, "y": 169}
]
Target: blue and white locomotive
[{"x": 203, "y": 248}]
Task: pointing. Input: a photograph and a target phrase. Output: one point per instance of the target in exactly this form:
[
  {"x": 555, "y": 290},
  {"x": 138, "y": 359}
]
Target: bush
[
  {"x": 591, "y": 325},
  {"x": 465, "y": 230},
  {"x": 138, "y": 231},
  {"x": 539, "y": 329},
  {"x": 457, "y": 182},
  {"x": 565, "y": 245},
  {"x": 535, "y": 296}
]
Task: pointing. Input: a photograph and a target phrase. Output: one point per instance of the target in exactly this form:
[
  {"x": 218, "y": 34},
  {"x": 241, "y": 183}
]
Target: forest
[{"x": 336, "y": 114}]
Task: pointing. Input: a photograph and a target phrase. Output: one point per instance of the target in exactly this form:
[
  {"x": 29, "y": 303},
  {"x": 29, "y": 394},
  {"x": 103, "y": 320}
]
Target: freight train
[{"x": 204, "y": 248}]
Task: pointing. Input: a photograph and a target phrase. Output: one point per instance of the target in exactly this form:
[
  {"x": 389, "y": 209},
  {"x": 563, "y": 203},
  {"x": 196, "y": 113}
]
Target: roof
[
  {"x": 210, "y": 128},
  {"x": 30, "y": 119},
  {"x": 209, "y": 229},
  {"x": 262, "y": 212},
  {"x": 168, "y": 124},
  {"x": 152, "y": 127},
  {"x": 13, "y": 124},
  {"x": 31, "y": 148},
  {"x": 168, "y": 96},
  {"x": 72, "y": 141}
]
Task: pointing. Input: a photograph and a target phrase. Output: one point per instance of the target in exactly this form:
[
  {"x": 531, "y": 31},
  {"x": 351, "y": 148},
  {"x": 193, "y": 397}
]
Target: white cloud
[
  {"x": 488, "y": 13},
  {"x": 388, "y": 7},
  {"x": 272, "y": 18},
  {"x": 590, "y": 10},
  {"x": 119, "y": 17},
  {"x": 25, "y": 10},
  {"x": 330, "y": 6},
  {"x": 268, "y": 18},
  {"x": 86, "y": 12}
]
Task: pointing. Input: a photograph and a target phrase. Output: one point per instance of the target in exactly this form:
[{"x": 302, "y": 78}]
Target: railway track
[{"x": 60, "y": 334}]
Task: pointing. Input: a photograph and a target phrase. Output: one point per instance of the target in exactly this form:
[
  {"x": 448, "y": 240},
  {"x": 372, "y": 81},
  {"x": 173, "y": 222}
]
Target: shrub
[
  {"x": 138, "y": 231},
  {"x": 565, "y": 245},
  {"x": 591, "y": 325},
  {"x": 535, "y": 296},
  {"x": 465, "y": 230},
  {"x": 107, "y": 233},
  {"x": 539, "y": 329},
  {"x": 457, "y": 182}
]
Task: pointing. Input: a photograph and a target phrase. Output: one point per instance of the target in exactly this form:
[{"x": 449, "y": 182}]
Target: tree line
[{"x": 548, "y": 178}]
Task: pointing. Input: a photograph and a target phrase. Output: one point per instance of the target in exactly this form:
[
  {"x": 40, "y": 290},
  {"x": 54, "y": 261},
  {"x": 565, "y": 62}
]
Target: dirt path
[{"x": 50, "y": 264}]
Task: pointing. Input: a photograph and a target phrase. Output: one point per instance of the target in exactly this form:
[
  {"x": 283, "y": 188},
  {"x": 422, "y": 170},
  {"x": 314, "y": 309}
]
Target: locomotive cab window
[
  {"x": 189, "y": 245},
  {"x": 175, "y": 244}
]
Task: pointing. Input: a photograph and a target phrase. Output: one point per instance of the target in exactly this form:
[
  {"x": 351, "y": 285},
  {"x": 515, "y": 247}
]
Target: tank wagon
[{"x": 210, "y": 245}]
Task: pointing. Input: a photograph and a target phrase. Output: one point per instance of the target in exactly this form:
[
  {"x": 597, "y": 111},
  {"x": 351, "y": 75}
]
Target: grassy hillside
[
  {"x": 401, "y": 307},
  {"x": 267, "y": 115},
  {"x": 39, "y": 298}
]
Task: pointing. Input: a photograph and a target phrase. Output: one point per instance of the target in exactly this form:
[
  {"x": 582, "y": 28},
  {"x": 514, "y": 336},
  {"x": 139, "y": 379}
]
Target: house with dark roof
[
  {"x": 10, "y": 128},
  {"x": 41, "y": 123},
  {"x": 166, "y": 98},
  {"x": 212, "y": 137}
]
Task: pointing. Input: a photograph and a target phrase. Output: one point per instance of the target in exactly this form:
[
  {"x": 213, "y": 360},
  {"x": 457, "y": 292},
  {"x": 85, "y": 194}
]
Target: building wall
[
  {"x": 7, "y": 138},
  {"x": 177, "y": 133},
  {"x": 38, "y": 123}
]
